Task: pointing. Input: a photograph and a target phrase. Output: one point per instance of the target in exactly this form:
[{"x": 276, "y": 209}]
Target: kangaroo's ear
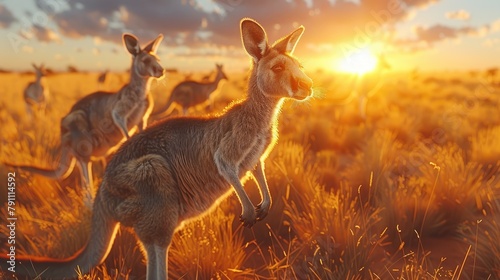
[
  {"x": 287, "y": 44},
  {"x": 153, "y": 45},
  {"x": 131, "y": 43},
  {"x": 34, "y": 66},
  {"x": 254, "y": 38}
]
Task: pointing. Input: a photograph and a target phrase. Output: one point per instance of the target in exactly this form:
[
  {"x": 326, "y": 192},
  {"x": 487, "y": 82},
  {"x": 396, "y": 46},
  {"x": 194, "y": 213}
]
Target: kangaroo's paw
[
  {"x": 262, "y": 210},
  {"x": 248, "y": 218}
]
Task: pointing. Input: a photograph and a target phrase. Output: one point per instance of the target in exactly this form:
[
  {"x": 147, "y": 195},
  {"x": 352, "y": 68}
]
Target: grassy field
[{"x": 412, "y": 191}]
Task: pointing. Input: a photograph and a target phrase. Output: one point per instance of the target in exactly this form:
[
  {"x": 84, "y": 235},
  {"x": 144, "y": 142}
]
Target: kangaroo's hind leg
[
  {"x": 77, "y": 137},
  {"x": 157, "y": 259},
  {"x": 150, "y": 204},
  {"x": 29, "y": 110},
  {"x": 155, "y": 229}
]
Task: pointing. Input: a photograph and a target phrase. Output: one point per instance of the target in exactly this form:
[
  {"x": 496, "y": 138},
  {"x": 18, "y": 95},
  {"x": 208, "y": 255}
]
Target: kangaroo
[
  {"x": 178, "y": 168},
  {"x": 100, "y": 121},
  {"x": 101, "y": 79},
  {"x": 190, "y": 93},
  {"x": 36, "y": 94}
]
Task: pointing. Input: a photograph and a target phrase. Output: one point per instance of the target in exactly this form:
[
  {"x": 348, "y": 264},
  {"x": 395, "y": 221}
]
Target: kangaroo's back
[
  {"x": 191, "y": 93},
  {"x": 97, "y": 98},
  {"x": 188, "y": 157},
  {"x": 95, "y": 122},
  {"x": 98, "y": 107}
]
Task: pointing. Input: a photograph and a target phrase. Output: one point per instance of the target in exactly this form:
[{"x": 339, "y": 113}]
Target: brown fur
[
  {"x": 100, "y": 121},
  {"x": 189, "y": 94},
  {"x": 178, "y": 168},
  {"x": 36, "y": 93},
  {"x": 102, "y": 77}
]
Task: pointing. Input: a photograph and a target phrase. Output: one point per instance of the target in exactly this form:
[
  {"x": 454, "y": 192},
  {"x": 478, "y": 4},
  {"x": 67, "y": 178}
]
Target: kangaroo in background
[
  {"x": 190, "y": 93},
  {"x": 100, "y": 121},
  {"x": 179, "y": 168},
  {"x": 101, "y": 79},
  {"x": 36, "y": 94}
]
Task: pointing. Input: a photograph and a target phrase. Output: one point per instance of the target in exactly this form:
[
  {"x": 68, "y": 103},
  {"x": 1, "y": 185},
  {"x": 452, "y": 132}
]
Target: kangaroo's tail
[
  {"x": 63, "y": 170},
  {"x": 103, "y": 230},
  {"x": 165, "y": 110}
]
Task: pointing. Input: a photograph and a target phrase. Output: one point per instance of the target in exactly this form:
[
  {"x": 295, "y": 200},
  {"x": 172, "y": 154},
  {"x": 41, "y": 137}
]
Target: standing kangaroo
[
  {"x": 179, "y": 168},
  {"x": 190, "y": 93},
  {"x": 100, "y": 121},
  {"x": 36, "y": 94}
]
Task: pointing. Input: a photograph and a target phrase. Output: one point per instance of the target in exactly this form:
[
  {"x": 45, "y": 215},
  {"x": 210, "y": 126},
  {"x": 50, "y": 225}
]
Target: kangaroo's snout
[
  {"x": 157, "y": 71},
  {"x": 305, "y": 84},
  {"x": 301, "y": 87}
]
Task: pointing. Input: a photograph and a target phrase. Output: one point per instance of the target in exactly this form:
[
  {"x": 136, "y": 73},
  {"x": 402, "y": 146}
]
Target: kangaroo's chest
[
  {"x": 137, "y": 113},
  {"x": 132, "y": 104},
  {"x": 256, "y": 150},
  {"x": 35, "y": 92},
  {"x": 104, "y": 132}
]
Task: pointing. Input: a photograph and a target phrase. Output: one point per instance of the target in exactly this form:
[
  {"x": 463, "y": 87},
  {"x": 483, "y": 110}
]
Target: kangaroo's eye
[
  {"x": 278, "y": 68},
  {"x": 147, "y": 60}
]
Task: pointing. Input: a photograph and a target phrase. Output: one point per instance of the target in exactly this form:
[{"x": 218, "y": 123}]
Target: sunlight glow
[{"x": 358, "y": 62}]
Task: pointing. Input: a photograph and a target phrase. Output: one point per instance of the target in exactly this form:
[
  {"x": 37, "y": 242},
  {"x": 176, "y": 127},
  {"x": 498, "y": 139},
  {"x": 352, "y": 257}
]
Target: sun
[{"x": 358, "y": 62}]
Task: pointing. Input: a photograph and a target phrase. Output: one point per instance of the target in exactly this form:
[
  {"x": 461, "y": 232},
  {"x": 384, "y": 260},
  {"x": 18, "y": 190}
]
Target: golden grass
[{"x": 412, "y": 192}]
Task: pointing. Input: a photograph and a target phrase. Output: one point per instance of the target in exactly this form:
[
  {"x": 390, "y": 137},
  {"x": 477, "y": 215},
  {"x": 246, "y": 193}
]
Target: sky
[{"x": 452, "y": 35}]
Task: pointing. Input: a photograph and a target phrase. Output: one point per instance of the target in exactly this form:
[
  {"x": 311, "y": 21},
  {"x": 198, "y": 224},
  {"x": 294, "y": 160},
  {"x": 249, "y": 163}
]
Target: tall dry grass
[{"x": 412, "y": 192}]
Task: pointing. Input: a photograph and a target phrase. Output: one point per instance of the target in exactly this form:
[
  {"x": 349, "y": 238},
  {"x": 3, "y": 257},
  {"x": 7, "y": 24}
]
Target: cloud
[
  {"x": 326, "y": 22},
  {"x": 419, "y": 3},
  {"x": 426, "y": 37},
  {"x": 208, "y": 50},
  {"x": 97, "y": 41},
  {"x": 45, "y": 34},
  {"x": 491, "y": 42},
  {"x": 78, "y": 24},
  {"x": 145, "y": 19},
  {"x": 440, "y": 32},
  {"x": 198, "y": 22},
  {"x": 42, "y": 34},
  {"x": 6, "y": 17},
  {"x": 495, "y": 26},
  {"x": 459, "y": 15},
  {"x": 27, "y": 49}
]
